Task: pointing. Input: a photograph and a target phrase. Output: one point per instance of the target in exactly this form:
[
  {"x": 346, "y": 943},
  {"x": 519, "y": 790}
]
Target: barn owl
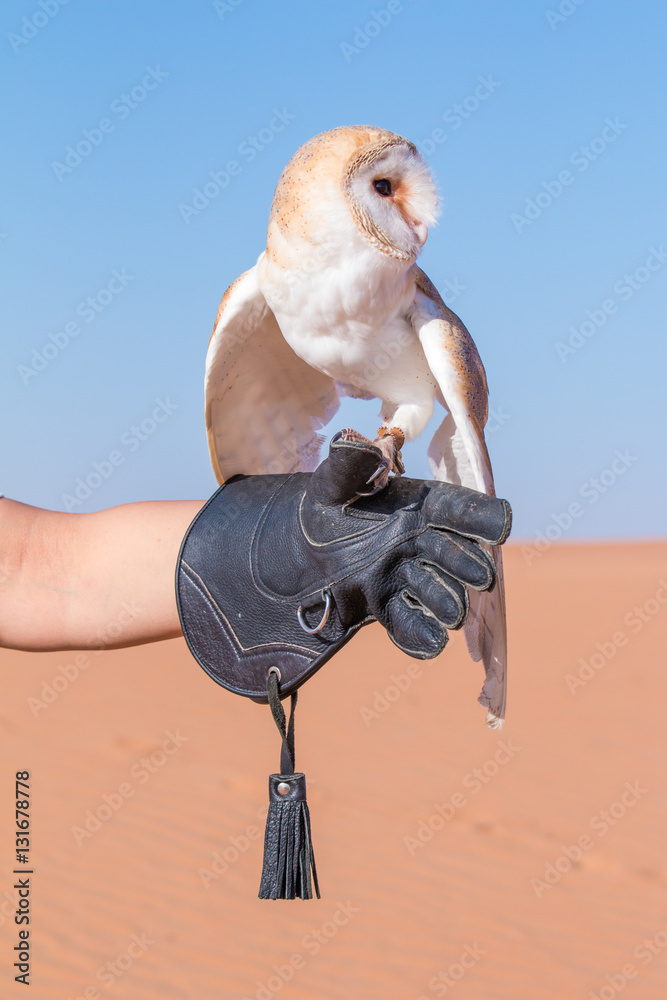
[{"x": 336, "y": 306}]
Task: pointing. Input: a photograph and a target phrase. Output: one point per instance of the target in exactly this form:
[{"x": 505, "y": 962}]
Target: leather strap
[{"x": 287, "y": 757}]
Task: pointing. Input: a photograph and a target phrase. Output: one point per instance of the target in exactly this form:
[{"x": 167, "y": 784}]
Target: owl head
[{"x": 359, "y": 176}]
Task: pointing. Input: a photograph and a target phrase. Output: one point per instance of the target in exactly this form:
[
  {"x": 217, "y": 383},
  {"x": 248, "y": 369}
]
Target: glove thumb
[{"x": 346, "y": 473}]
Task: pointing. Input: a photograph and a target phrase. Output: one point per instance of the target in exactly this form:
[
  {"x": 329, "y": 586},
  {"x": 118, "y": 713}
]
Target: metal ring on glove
[{"x": 325, "y": 617}]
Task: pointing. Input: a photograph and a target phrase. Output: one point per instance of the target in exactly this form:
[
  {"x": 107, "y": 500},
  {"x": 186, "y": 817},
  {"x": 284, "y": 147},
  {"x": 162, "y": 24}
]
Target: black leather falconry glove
[
  {"x": 281, "y": 570},
  {"x": 276, "y": 573}
]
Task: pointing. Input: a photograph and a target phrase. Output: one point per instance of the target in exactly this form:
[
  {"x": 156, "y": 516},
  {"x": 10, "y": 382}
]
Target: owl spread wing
[
  {"x": 264, "y": 404},
  {"x": 458, "y": 454}
]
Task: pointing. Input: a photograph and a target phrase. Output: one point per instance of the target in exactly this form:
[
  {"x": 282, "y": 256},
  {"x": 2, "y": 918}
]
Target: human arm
[
  {"x": 106, "y": 580},
  {"x": 84, "y": 581}
]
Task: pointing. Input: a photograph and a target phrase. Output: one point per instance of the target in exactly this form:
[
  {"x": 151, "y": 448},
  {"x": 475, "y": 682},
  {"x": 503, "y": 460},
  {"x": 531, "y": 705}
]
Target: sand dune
[{"x": 442, "y": 847}]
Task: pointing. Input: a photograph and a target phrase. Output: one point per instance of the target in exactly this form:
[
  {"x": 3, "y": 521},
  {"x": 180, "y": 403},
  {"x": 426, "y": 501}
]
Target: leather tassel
[
  {"x": 288, "y": 871},
  {"x": 288, "y": 849}
]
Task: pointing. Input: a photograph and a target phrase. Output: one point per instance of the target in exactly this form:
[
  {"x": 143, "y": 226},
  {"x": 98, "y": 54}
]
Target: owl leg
[
  {"x": 409, "y": 418},
  {"x": 389, "y": 442},
  {"x": 405, "y": 420},
  {"x": 401, "y": 422}
]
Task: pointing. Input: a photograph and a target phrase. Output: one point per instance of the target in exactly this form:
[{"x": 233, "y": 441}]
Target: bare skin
[{"x": 86, "y": 581}]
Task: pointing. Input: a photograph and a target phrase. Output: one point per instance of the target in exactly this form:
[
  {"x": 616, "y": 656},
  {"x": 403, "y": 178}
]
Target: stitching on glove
[
  {"x": 486, "y": 564},
  {"x": 197, "y": 582},
  {"x": 463, "y": 607}
]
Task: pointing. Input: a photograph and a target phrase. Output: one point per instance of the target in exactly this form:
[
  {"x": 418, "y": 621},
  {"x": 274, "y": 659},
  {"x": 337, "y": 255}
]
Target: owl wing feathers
[
  {"x": 264, "y": 404},
  {"x": 458, "y": 454}
]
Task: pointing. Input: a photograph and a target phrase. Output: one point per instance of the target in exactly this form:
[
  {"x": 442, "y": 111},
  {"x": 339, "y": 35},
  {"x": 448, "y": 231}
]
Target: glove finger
[
  {"x": 411, "y": 628},
  {"x": 459, "y": 557},
  {"x": 469, "y": 513},
  {"x": 438, "y": 592}
]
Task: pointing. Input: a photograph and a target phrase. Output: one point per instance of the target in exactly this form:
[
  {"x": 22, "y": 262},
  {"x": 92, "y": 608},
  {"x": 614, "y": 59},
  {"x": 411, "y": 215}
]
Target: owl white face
[{"x": 392, "y": 196}]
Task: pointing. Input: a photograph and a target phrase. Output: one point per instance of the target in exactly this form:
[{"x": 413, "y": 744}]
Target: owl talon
[
  {"x": 389, "y": 441},
  {"x": 377, "y": 489},
  {"x": 384, "y": 464},
  {"x": 379, "y": 477}
]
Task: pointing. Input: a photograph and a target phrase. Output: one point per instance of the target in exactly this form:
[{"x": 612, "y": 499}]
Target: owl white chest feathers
[{"x": 347, "y": 315}]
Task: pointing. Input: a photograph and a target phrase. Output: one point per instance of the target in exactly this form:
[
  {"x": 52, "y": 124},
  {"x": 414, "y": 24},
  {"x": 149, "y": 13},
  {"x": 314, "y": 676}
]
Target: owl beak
[{"x": 421, "y": 232}]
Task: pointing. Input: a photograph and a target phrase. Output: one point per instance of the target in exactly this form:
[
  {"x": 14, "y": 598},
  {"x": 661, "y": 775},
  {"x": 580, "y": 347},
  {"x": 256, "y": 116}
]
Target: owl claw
[
  {"x": 389, "y": 442},
  {"x": 384, "y": 464},
  {"x": 381, "y": 473}
]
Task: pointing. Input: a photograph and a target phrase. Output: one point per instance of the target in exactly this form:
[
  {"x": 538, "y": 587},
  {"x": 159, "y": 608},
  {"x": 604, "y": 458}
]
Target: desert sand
[{"x": 454, "y": 861}]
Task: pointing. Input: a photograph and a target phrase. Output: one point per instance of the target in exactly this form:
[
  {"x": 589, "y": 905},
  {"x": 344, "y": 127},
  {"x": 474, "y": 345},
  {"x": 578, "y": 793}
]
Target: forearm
[{"x": 81, "y": 581}]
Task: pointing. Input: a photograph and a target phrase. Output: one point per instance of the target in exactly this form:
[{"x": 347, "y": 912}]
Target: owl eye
[{"x": 383, "y": 187}]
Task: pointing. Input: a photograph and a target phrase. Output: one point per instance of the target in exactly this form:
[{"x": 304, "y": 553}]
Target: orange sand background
[{"x": 390, "y": 921}]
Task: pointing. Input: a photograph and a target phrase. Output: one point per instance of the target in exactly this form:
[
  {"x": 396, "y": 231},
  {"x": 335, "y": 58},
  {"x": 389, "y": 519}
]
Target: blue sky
[{"x": 544, "y": 126}]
